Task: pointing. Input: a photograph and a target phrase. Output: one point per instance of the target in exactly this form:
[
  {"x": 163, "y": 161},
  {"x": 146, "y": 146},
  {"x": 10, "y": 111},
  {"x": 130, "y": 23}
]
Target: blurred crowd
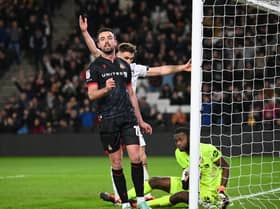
[
  {"x": 55, "y": 100},
  {"x": 241, "y": 75},
  {"x": 25, "y": 28}
]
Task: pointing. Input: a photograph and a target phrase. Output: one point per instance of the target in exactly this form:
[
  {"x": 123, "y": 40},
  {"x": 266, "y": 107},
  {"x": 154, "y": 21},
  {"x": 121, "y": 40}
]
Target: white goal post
[{"x": 235, "y": 97}]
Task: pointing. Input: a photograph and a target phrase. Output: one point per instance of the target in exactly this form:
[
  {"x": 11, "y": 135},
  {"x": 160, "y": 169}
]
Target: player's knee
[
  {"x": 154, "y": 182},
  {"x": 179, "y": 197},
  {"x": 116, "y": 163},
  {"x": 135, "y": 159}
]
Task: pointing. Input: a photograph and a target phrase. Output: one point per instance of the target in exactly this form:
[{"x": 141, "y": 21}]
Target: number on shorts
[{"x": 137, "y": 130}]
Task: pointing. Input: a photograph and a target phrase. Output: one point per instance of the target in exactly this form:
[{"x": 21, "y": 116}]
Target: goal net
[{"x": 241, "y": 96}]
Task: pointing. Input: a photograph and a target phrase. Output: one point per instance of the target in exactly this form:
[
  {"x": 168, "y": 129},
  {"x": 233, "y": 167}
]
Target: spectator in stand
[
  {"x": 37, "y": 127},
  {"x": 48, "y": 28},
  {"x": 64, "y": 56},
  {"x": 177, "y": 98},
  {"x": 179, "y": 83},
  {"x": 145, "y": 109},
  {"x": 179, "y": 118},
  {"x": 38, "y": 44},
  {"x": 4, "y": 61},
  {"x": 26, "y": 88},
  {"x": 271, "y": 111},
  {"x": 74, "y": 121},
  {"x": 165, "y": 92},
  {"x": 157, "y": 117},
  {"x": 4, "y": 36},
  {"x": 206, "y": 110},
  {"x": 15, "y": 33},
  {"x": 87, "y": 118}
]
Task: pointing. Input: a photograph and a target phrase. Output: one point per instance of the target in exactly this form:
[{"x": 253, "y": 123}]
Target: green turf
[{"x": 74, "y": 182}]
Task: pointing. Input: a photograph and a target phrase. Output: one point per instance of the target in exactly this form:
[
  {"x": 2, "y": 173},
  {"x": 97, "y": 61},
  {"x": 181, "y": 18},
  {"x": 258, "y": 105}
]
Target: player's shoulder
[
  {"x": 91, "y": 65},
  {"x": 123, "y": 62},
  {"x": 206, "y": 147},
  {"x": 95, "y": 63},
  {"x": 139, "y": 70},
  {"x": 138, "y": 66},
  {"x": 209, "y": 150}
]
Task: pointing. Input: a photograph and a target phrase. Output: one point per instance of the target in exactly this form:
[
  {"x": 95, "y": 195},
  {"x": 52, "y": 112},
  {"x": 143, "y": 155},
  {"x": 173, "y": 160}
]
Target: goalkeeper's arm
[
  {"x": 225, "y": 171},
  {"x": 222, "y": 188}
]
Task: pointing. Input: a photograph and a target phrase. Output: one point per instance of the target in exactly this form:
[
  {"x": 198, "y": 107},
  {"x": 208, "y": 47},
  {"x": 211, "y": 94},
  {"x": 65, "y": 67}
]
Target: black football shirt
[{"x": 116, "y": 102}]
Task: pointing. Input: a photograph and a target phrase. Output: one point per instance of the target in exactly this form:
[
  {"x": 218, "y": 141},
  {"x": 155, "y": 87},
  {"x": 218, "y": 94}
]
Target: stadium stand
[{"x": 54, "y": 99}]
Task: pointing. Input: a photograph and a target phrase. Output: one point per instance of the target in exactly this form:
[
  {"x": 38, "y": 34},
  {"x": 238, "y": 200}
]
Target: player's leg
[
  {"x": 116, "y": 196},
  {"x": 179, "y": 197},
  {"x": 144, "y": 160},
  {"x": 143, "y": 156},
  {"x": 161, "y": 183},
  {"x": 132, "y": 194},
  {"x": 130, "y": 137},
  {"x": 118, "y": 176},
  {"x": 137, "y": 174},
  {"x": 110, "y": 137},
  {"x": 111, "y": 197},
  {"x": 160, "y": 202},
  {"x": 172, "y": 185},
  {"x": 168, "y": 184}
]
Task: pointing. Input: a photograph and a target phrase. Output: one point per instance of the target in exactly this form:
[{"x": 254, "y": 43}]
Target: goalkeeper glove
[
  {"x": 223, "y": 197},
  {"x": 185, "y": 179}
]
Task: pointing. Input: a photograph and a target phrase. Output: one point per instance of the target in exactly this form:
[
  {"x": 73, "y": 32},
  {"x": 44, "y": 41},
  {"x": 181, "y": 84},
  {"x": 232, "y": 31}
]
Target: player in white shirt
[{"x": 127, "y": 52}]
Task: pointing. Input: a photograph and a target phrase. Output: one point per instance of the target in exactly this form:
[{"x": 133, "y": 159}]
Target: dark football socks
[
  {"x": 120, "y": 183},
  {"x": 137, "y": 174}
]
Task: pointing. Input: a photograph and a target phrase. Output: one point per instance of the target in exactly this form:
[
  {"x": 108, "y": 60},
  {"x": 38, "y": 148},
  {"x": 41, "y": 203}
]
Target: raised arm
[
  {"x": 133, "y": 99},
  {"x": 169, "y": 69},
  {"x": 88, "y": 39}
]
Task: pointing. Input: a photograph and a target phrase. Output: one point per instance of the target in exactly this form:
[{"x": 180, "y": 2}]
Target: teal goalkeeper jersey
[{"x": 210, "y": 173}]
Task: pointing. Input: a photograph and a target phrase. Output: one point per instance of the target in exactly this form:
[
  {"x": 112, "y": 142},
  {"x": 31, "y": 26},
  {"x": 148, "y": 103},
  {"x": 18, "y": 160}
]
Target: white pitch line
[
  {"x": 12, "y": 177},
  {"x": 254, "y": 195}
]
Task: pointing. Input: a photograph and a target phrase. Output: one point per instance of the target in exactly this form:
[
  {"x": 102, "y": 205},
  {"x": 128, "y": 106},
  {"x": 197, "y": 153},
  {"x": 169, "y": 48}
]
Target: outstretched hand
[
  {"x": 188, "y": 66},
  {"x": 83, "y": 23}
]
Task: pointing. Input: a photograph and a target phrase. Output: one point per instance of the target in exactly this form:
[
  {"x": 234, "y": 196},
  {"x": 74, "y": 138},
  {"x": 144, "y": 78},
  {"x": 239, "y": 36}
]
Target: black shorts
[{"x": 117, "y": 131}]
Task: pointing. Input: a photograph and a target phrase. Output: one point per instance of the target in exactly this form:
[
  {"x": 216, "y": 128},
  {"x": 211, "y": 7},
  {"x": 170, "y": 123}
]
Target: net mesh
[{"x": 241, "y": 97}]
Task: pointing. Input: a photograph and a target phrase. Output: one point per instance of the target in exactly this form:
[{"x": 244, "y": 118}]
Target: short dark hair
[
  {"x": 182, "y": 129},
  {"x": 127, "y": 47},
  {"x": 105, "y": 30}
]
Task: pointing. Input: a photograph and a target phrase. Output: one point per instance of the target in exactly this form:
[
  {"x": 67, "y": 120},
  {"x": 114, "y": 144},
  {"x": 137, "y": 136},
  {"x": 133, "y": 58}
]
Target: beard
[{"x": 108, "y": 51}]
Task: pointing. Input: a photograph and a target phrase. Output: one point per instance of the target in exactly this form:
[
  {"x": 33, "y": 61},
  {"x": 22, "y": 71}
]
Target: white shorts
[{"x": 142, "y": 142}]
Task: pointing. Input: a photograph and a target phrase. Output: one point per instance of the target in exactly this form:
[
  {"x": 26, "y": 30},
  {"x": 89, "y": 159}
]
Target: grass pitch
[{"x": 75, "y": 182}]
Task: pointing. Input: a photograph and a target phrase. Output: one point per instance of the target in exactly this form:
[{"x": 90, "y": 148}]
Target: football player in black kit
[{"x": 109, "y": 83}]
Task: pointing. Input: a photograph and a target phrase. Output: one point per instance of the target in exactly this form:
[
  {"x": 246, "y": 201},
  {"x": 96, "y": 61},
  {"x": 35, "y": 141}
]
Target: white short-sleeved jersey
[{"x": 136, "y": 72}]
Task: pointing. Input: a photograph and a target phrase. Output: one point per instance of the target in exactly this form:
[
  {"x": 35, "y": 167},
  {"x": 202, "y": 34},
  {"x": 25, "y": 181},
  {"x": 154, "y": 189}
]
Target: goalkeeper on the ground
[{"x": 214, "y": 173}]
